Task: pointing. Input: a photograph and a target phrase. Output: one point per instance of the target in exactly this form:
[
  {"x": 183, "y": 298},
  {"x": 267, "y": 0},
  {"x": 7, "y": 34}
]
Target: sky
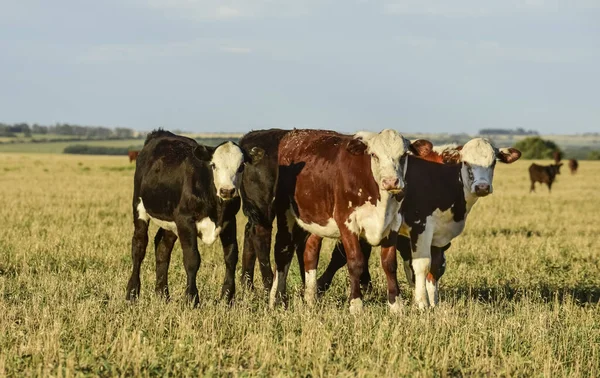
[{"x": 232, "y": 66}]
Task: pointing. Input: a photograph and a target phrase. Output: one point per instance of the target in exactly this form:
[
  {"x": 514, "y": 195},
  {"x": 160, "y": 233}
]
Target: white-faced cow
[
  {"x": 438, "y": 198},
  {"x": 190, "y": 191},
  {"x": 343, "y": 187}
]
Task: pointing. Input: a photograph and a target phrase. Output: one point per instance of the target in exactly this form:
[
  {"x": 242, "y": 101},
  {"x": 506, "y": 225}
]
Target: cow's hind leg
[
  {"x": 438, "y": 267},
  {"x": 188, "y": 237},
  {"x": 532, "y": 187},
  {"x": 338, "y": 260},
  {"x": 403, "y": 245},
  {"x": 163, "y": 246},
  {"x": 284, "y": 253},
  {"x": 230, "y": 253},
  {"x": 311, "y": 261},
  {"x": 139, "y": 242},
  {"x": 356, "y": 264},
  {"x": 248, "y": 256}
]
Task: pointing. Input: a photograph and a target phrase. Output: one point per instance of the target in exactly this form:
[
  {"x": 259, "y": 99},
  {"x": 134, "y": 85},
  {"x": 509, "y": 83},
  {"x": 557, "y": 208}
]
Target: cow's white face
[
  {"x": 388, "y": 151},
  {"x": 479, "y": 160},
  {"x": 227, "y": 162}
]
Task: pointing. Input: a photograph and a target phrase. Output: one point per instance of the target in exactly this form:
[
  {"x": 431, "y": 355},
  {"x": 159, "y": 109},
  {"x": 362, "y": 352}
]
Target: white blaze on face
[
  {"x": 480, "y": 156},
  {"x": 386, "y": 149},
  {"x": 226, "y": 162}
]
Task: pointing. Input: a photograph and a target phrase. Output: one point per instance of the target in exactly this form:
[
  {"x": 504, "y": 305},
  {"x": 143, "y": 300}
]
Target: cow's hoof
[
  {"x": 396, "y": 307},
  {"x": 356, "y": 306}
]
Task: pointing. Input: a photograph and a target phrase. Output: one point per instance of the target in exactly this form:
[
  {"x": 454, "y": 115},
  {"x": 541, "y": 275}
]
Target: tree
[
  {"x": 537, "y": 148},
  {"x": 594, "y": 155}
]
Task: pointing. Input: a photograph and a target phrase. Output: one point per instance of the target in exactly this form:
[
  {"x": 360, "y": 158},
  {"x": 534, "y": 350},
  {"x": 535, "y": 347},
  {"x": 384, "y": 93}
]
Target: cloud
[
  {"x": 489, "y": 51},
  {"x": 467, "y": 8},
  {"x": 235, "y": 50}
]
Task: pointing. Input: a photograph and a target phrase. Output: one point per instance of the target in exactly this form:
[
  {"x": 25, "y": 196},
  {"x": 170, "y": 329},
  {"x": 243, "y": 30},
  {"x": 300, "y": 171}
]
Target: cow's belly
[
  {"x": 444, "y": 227},
  {"x": 207, "y": 229},
  {"x": 375, "y": 222}
]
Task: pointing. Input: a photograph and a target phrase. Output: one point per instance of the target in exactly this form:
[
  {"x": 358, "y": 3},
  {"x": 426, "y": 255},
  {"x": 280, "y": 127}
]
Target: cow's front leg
[
  {"x": 389, "y": 263},
  {"x": 139, "y": 242},
  {"x": 421, "y": 263},
  {"x": 163, "y": 246},
  {"x": 311, "y": 261},
  {"x": 438, "y": 267},
  {"x": 230, "y": 253},
  {"x": 356, "y": 264},
  {"x": 188, "y": 237}
]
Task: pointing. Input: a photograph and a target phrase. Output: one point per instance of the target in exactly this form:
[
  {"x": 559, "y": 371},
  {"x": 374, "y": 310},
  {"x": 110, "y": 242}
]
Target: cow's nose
[
  {"x": 391, "y": 184},
  {"x": 482, "y": 190},
  {"x": 226, "y": 193}
]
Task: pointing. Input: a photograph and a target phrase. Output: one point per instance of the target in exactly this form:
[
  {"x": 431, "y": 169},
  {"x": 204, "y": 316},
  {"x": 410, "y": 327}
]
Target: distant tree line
[
  {"x": 83, "y": 149},
  {"x": 519, "y": 131},
  {"x": 538, "y": 148},
  {"x": 66, "y": 129}
]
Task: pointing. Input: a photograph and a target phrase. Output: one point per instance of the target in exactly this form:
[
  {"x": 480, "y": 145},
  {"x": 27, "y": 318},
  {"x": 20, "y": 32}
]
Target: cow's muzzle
[
  {"x": 482, "y": 190},
  {"x": 392, "y": 185},
  {"x": 226, "y": 193}
]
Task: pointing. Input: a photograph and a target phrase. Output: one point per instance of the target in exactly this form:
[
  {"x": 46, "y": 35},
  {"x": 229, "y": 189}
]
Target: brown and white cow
[
  {"x": 133, "y": 155},
  {"x": 437, "y": 200},
  {"x": 573, "y": 165},
  {"x": 342, "y": 187}
]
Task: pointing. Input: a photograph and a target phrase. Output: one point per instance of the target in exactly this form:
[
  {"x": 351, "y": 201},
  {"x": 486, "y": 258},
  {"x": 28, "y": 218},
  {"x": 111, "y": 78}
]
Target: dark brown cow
[
  {"x": 557, "y": 156},
  {"x": 544, "y": 174},
  {"x": 133, "y": 155},
  {"x": 342, "y": 187},
  {"x": 573, "y": 165}
]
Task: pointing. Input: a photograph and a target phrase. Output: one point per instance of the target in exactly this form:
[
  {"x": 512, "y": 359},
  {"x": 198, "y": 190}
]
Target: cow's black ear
[
  {"x": 421, "y": 147},
  {"x": 508, "y": 155},
  {"x": 255, "y": 155},
  {"x": 356, "y": 147},
  {"x": 204, "y": 153}
]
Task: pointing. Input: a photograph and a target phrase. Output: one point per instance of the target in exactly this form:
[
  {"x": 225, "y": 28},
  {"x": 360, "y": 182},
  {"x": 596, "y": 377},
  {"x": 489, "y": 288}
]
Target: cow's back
[{"x": 539, "y": 173}]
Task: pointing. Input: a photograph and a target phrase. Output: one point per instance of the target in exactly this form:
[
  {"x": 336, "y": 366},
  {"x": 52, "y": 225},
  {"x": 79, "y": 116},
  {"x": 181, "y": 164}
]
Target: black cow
[
  {"x": 573, "y": 165},
  {"x": 189, "y": 191},
  {"x": 544, "y": 174},
  {"x": 259, "y": 183}
]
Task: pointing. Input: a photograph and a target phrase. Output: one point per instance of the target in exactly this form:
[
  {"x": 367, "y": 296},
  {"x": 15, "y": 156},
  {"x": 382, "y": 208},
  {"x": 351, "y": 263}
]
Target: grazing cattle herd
[{"x": 363, "y": 190}]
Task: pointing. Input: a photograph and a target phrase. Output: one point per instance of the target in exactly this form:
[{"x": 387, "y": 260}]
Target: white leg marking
[
  {"x": 432, "y": 293},
  {"x": 142, "y": 214},
  {"x": 396, "y": 308},
  {"x": 310, "y": 292},
  {"x": 273, "y": 293},
  {"x": 356, "y": 306},
  {"x": 421, "y": 268}
]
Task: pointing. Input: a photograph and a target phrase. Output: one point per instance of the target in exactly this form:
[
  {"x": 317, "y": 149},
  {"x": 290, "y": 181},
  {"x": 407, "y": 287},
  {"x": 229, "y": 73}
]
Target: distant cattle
[
  {"x": 133, "y": 155},
  {"x": 557, "y": 156},
  {"x": 190, "y": 191},
  {"x": 342, "y": 187},
  {"x": 544, "y": 174},
  {"x": 573, "y": 165},
  {"x": 437, "y": 200}
]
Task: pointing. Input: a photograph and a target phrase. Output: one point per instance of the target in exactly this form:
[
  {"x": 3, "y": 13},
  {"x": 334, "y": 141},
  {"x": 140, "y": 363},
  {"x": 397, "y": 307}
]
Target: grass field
[{"x": 519, "y": 297}]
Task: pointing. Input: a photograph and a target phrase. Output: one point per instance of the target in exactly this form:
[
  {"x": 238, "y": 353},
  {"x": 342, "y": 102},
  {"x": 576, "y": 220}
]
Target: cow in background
[
  {"x": 133, "y": 155},
  {"x": 190, "y": 191},
  {"x": 438, "y": 198},
  {"x": 557, "y": 156},
  {"x": 544, "y": 174},
  {"x": 573, "y": 165}
]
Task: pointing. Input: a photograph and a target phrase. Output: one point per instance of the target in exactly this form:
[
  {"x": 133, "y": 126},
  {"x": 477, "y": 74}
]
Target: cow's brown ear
[
  {"x": 508, "y": 155},
  {"x": 356, "y": 147},
  {"x": 421, "y": 147},
  {"x": 256, "y": 154},
  {"x": 204, "y": 153}
]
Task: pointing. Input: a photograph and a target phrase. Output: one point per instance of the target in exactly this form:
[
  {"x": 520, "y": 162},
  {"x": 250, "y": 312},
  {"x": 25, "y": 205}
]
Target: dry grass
[{"x": 520, "y": 296}]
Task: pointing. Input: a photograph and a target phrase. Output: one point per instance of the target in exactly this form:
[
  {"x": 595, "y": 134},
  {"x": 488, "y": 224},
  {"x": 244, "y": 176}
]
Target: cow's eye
[
  {"x": 212, "y": 165},
  {"x": 241, "y": 168},
  {"x": 375, "y": 157}
]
